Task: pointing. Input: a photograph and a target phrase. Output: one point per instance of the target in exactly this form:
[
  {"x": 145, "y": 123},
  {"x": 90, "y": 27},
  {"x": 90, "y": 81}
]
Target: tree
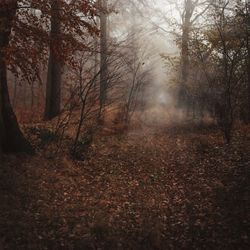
[
  {"x": 54, "y": 75},
  {"x": 188, "y": 18},
  {"x": 104, "y": 52},
  {"x": 46, "y": 37},
  {"x": 182, "y": 25},
  {"x": 219, "y": 55},
  {"x": 12, "y": 139},
  {"x": 243, "y": 16}
]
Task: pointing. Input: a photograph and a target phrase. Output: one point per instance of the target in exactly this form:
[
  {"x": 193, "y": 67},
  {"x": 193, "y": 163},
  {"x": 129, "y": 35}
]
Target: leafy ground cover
[{"x": 150, "y": 188}]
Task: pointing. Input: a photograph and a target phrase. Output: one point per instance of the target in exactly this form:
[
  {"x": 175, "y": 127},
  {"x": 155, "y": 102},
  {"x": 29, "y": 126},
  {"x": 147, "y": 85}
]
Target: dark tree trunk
[
  {"x": 2, "y": 130},
  {"x": 96, "y": 58},
  {"x": 104, "y": 52},
  {"x": 15, "y": 93},
  {"x": 248, "y": 106},
  {"x": 248, "y": 59},
  {"x": 53, "y": 88},
  {"x": 12, "y": 139}
]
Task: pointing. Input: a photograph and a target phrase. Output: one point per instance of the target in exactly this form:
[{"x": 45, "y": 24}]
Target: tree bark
[
  {"x": 186, "y": 28},
  {"x": 248, "y": 83},
  {"x": 12, "y": 139},
  {"x": 2, "y": 130},
  {"x": 53, "y": 87},
  {"x": 248, "y": 57},
  {"x": 104, "y": 52}
]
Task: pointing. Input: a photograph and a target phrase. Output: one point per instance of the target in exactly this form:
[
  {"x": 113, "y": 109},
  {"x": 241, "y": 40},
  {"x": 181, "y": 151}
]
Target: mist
[{"x": 124, "y": 125}]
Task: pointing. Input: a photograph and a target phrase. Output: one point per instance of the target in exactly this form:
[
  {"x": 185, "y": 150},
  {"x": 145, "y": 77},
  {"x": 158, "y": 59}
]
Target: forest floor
[{"x": 149, "y": 188}]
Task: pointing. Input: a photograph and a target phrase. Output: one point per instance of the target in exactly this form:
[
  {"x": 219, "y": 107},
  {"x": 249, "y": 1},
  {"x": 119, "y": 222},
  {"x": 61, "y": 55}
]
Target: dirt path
[{"x": 148, "y": 189}]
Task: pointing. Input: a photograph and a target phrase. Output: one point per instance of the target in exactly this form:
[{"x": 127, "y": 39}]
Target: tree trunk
[
  {"x": 12, "y": 139},
  {"x": 15, "y": 93},
  {"x": 185, "y": 54},
  {"x": 53, "y": 87},
  {"x": 2, "y": 131},
  {"x": 186, "y": 28},
  {"x": 248, "y": 57},
  {"x": 104, "y": 52},
  {"x": 248, "y": 82}
]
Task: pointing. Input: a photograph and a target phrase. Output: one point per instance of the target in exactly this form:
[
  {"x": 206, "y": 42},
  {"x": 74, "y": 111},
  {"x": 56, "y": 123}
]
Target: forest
[{"x": 124, "y": 124}]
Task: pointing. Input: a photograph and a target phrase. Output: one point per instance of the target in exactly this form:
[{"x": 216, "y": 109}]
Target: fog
[
  {"x": 124, "y": 124},
  {"x": 154, "y": 35}
]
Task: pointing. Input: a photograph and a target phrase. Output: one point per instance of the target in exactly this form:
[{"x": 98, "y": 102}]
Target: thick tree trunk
[
  {"x": 15, "y": 93},
  {"x": 104, "y": 52},
  {"x": 12, "y": 139},
  {"x": 248, "y": 55},
  {"x": 2, "y": 130},
  {"x": 248, "y": 106},
  {"x": 247, "y": 39},
  {"x": 53, "y": 88}
]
